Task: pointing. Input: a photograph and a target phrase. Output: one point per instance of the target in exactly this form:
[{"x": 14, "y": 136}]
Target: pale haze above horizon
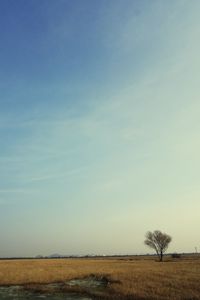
[{"x": 99, "y": 125}]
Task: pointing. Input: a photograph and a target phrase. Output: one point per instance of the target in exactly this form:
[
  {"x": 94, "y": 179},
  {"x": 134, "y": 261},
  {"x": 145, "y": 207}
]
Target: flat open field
[{"x": 137, "y": 277}]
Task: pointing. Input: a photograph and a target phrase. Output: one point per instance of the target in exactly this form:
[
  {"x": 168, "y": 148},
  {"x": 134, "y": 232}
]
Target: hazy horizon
[{"x": 99, "y": 125}]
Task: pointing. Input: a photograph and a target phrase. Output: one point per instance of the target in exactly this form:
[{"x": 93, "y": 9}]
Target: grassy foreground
[{"x": 138, "y": 278}]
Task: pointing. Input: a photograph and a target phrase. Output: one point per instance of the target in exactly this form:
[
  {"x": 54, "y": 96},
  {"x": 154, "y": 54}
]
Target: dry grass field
[{"x": 132, "y": 278}]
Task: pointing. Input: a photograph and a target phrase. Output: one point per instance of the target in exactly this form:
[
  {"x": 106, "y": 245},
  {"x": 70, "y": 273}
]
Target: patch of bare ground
[{"x": 128, "y": 278}]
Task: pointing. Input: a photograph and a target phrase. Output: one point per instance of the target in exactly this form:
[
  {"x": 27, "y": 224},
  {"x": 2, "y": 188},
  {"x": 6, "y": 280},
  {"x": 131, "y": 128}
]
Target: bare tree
[{"x": 158, "y": 241}]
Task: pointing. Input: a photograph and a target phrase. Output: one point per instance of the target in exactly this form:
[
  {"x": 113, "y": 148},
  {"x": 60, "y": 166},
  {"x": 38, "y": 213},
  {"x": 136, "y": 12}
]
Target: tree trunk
[{"x": 161, "y": 256}]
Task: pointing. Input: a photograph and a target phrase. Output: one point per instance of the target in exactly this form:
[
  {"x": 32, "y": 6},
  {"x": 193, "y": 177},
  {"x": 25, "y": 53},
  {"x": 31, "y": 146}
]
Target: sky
[{"x": 99, "y": 125}]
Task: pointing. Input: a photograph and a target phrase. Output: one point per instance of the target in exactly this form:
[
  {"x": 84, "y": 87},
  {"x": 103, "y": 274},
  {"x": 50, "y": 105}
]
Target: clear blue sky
[{"x": 99, "y": 125}]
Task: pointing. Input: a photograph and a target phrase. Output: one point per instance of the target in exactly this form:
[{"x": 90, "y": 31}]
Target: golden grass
[{"x": 138, "y": 278}]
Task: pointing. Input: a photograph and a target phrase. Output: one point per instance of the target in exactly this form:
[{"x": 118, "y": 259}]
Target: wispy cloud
[
  {"x": 16, "y": 191},
  {"x": 56, "y": 176}
]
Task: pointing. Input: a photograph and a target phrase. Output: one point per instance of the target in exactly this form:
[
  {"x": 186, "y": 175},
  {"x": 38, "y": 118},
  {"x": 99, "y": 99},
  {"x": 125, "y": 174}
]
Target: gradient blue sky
[{"x": 99, "y": 125}]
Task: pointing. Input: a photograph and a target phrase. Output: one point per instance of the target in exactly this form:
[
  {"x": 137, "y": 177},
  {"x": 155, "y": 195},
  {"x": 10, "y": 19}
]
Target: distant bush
[{"x": 176, "y": 255}]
